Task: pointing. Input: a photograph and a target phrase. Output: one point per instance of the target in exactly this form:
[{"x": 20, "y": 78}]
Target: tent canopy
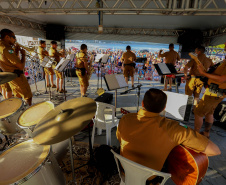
[{"x": 130, "y": 20}]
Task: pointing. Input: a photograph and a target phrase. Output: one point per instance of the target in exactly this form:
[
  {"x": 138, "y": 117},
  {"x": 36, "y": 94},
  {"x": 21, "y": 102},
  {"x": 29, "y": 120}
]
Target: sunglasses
[{"x": 13, "y": 37}]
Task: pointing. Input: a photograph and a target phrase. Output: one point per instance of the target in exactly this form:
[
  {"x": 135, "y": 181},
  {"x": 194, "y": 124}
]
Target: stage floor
[{"x": 216, "y": 174}]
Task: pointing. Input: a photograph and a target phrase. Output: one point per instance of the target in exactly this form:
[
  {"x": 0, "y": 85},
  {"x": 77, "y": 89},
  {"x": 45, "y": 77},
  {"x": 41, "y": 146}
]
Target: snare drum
[
  {"x": 29, "y": 118},
  {"x": 30, "y": 164},
  {"x": 10, "y": 110}
]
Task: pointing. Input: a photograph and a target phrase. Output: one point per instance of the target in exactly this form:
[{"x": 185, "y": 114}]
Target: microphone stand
[{"x": 138, "y": 94}]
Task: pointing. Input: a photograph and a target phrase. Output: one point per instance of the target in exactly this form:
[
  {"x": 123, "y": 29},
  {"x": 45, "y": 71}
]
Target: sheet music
[
  {"x": 62, "y": 64},
  {"x": 121, "y": 81},
  {"x": 112, "y": 82},
  {"x": 105, "y": 59},
  {"x": 176, "y": 105},
  {"x": 163, "y": 67},
  {"x": 98, "y": 57}
]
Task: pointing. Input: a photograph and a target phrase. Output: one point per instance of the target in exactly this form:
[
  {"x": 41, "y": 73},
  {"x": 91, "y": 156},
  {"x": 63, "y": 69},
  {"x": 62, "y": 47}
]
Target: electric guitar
[{"x": 185, "y": 165}]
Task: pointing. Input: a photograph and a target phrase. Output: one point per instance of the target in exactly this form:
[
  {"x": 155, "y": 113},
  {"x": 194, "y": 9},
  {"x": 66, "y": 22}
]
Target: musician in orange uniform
[
  {"x": 82, "y": 69},
  {"x": 128, "y": 59},
  {"x": 194, "y": 84},
  {"x": 48, "y": 71},
  {"x": 171, "y": 58},
  {"x": 59, "y": 75},
  {"x": 10, "y": 62},
  {"x": 147, "y": 138},
  {"x": 213, "y": 95}
]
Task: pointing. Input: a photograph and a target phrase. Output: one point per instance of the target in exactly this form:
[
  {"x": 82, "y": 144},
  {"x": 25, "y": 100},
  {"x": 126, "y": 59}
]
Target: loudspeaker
[
  {"x": 55, "y": 32},
  {"x": 105, "y": 98},
  {"x": 189, "y": 40}
]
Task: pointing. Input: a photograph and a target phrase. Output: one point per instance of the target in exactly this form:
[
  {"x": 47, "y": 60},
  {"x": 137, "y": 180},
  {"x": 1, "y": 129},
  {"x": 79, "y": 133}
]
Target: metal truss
[
  {"x": 111, "y": 7},
  {"x": 125, "y": 31},
  {"x": 20, "y": 22},
  {"x": 215, "y": 32}
]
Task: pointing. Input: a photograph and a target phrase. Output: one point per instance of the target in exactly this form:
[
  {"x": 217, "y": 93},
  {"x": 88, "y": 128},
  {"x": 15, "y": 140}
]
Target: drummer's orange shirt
[
  {"x": 8, "y": 57},
  {"x": 147, "y": 138}
]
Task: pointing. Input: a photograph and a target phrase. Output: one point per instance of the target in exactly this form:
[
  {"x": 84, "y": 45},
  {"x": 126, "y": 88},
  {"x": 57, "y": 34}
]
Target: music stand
[
  {"x": 47, "y": 62},
  {"x": 60, "y": 67},
  {"x": 167, "y": 69},
  {"x": 114, "y": 82},
  {"x": 178, "y": 106},
  {"x": 100, "y": 59}
]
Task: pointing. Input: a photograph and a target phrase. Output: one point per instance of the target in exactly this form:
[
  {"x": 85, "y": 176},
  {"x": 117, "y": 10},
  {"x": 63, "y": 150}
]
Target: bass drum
[
  {"x": 30, "y": 164},
  {"x": 10, "y": 110}
]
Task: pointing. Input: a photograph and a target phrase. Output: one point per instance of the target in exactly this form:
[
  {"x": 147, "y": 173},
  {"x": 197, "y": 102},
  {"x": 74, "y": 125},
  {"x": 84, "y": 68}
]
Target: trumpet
[{"x": 29, "y": 50}]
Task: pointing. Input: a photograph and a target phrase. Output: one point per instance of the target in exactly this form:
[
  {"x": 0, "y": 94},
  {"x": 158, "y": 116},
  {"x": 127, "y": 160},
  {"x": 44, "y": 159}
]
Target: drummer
[
  {"x": 10, "y": 62},
  {"x": 48, "y": 71}
]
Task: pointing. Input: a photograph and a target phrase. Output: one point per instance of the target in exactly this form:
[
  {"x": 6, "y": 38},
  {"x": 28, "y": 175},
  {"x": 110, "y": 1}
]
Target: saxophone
[{"x": 91, "y": 69}]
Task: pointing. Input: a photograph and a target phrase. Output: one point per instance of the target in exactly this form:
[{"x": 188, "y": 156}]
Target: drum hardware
[{"x": 75, "y": 116}]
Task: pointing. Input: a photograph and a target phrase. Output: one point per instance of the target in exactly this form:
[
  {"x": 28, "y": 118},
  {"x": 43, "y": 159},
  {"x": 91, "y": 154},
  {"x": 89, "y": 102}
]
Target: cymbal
[
  {"x": 6, "y": 77},
  {"x": 64, "y": 121}
]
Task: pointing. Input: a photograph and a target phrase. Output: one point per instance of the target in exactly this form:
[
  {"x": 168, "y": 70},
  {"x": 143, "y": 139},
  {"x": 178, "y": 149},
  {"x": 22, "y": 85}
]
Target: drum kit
[{"x": 33, "y": 162}]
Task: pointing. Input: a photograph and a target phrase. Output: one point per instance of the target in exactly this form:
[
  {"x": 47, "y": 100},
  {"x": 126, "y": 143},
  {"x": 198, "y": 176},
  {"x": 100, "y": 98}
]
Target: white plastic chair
[
  {"x": 102, "y": 121},
  {"x": 136, "y": 174}
]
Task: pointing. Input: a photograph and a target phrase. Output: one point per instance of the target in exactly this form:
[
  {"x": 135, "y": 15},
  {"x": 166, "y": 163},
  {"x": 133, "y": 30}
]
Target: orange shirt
[
  {"x": 55, "y": 54},
  {"x": 171, "y": 57},
  {"x": 128, "y": 57},
  {"x": 42, "y": 53},
  {"x": 147, "y": 138},
  {"x": 8, "y": 57},
  {"x": 206, "y": 62},
  {"x": 81, "y": 57}
]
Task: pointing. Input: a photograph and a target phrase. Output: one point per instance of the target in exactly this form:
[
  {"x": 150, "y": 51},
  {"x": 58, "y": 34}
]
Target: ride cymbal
[
  {"x": 7, "y": 77},
  {"x": 64, "y": 121}
]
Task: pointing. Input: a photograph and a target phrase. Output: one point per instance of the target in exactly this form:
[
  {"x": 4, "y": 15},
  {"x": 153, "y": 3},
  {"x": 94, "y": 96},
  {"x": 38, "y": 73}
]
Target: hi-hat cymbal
[
  {"x": 64, "y": 121},
  {"x": 6, "y": 77}
]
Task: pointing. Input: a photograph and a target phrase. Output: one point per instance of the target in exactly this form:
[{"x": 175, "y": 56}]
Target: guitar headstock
[{"x": 193, "y": 56}]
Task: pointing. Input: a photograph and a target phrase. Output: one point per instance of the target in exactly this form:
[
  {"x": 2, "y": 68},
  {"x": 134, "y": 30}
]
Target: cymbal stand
[
  {"x": 91, "y": 159},
  {"x": 72, "y": 161}
]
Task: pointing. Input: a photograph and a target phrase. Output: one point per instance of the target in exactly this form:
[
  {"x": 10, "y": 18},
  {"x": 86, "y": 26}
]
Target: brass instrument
[
  {"x": 91, "y": 69},
  {"x": 29, "y": 50}
]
